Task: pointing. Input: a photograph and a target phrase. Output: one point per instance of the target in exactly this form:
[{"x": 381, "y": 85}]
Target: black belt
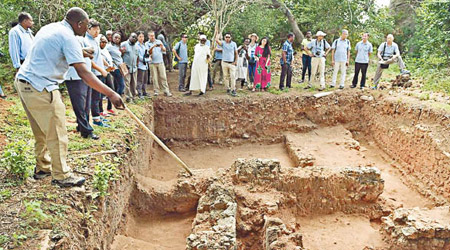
[
  {"x": 23, "y": 81},
  {"x": 227, "y": 62}
]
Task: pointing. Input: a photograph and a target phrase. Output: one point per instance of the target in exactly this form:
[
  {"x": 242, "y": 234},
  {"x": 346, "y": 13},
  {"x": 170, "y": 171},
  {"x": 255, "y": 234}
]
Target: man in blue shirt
[
  {"x": 130, "y": 58},
  {"x": 20, "y": 39},
  {"x": 181, "y": 54},
  {"x": 286, "y": 60},
  {"x": 98, "y": 69},
  {"x": 363, "y": 50},
  {"x": 155, "y": 49},
  {"x": 318, "y": 49},
  {"x": 54, "y": 49},
  {"x": 340, "y": 55},
  {"x": 388, "y": 53},
  {"x": 229, "y": 62}
]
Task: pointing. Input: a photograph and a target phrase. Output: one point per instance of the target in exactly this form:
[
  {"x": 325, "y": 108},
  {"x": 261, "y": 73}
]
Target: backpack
[
  {"x": 384, "y": 66},
  {"x": 336, "y": 42}
]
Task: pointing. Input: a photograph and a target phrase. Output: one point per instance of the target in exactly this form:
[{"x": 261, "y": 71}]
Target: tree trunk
[{"x": 291, "y": 19}]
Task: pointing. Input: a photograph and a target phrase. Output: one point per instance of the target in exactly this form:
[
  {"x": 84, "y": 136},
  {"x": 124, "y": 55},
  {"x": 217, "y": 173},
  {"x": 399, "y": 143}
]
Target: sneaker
[
  {"x": 128, "y": 99},
  {"x": 374, "y": 87},
  {"x": 101, "y": 124},
  {"x": 321, "y": 88},
  {"x": 301, "y": 81},
  {"x": 3, "y": 96},
  {"x": 331, "y": 86},
  {"x": 182, "y": 90},
  {"x": 201, "y": 93},
  {"x": 104, "y": 119},
  {"x": 307, "y": 87},
  {"x": 233, "y": 93},
  {"x": 71, "y": 181},
  {"x": 91, "y": 136},
  {"x": 40, "y": 175},
  {"x": 168, "y": 94},
  {"x": 145, "y": 94},
  {"x": 111, "y": 112},
  {"x": 405, "y": 72},
  {"x": 105, "y": 114},
  {"x": 228, "y": 91},
  {"x": 188, "y": 93},
  {"x": 353, "y": 86},
  {"x": 341, "y": 87},
  {"x": 362, "y": 88},
  {"x": 156, "y": 93},
  {"x": 142, "y": 97}
]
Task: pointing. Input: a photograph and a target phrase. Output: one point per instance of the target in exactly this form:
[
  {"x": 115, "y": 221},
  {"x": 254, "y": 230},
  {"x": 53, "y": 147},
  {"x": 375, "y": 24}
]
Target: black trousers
[
  {"x": 109, "y": 81},
  {"x": 80, "y": 96},
  {"x": 363, "y": 68},
  {"x": 286, "y": 73}
]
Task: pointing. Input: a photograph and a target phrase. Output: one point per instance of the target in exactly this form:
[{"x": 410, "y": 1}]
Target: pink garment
[{"x": 262, "y": 72}]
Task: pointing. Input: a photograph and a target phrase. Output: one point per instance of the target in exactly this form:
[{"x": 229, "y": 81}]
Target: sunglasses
[
  {"x": 228, "y": 37},
  {"x": 185, "y": 37}
]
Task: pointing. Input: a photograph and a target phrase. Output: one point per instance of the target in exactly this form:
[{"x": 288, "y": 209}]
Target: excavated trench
[{"x": 291, "y": 172}]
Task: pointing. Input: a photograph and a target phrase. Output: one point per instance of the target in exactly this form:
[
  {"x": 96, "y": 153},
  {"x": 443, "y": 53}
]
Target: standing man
[
  {"x": 388, "y": 53},
  {"x": 229, "y": 62},
  {"x": 80, "y": 96},
  {"x": 340, "y": 54},
  {"x": 306, "y": 59},
  {"x": 181, "y": 54},
  {"x": 55, "y": 48},
  {"x": 363, "y": 50},
  {"x": 286, "y": 60},
  {"x": 155, "y": 49},
  {"x": 98, "y": 69},
  {"x": 318, "y": 49},
  {"x": 144, "y": 59},
  {"x": 217, "y": 64},
  {"x": 20, "y": 39},
  {"x": 130, "y": 58},
  {"x": 199, "y": 74}
]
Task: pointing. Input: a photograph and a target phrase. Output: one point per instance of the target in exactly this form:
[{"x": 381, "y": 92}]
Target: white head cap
[
  {"x": 320, "y": 33},
  {"x": 203, "y": 37}
]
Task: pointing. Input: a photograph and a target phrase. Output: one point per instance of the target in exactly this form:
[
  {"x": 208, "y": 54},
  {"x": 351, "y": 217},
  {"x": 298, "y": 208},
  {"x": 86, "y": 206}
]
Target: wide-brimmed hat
[
  {"x": 203, "y": 37},
  {"x": 253, "y": 34},
  {"x": 320, "y": 33}
]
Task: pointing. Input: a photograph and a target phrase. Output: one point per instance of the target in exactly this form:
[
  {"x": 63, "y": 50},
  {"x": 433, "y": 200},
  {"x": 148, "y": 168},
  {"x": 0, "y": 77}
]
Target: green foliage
[
  {"x": 34, "y": 215},
  {"x": 18, "y": 159},
  {"x": 4, "y": 195},
  {"x": 104, "y": 173}
]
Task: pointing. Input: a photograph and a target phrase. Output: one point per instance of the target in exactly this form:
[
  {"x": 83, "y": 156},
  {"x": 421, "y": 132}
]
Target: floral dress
[{"x": 262, "y": 73}]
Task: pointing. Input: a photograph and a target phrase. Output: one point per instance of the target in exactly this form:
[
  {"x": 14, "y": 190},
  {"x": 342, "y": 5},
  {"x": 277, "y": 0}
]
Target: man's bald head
[{"x": 78, "y": 19}]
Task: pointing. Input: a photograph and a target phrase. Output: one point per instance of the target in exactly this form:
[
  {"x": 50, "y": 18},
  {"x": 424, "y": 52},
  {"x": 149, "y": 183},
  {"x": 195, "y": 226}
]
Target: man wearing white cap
[
  {"x": 199, "y": 71},
  {"x": 318, "y": 49}
]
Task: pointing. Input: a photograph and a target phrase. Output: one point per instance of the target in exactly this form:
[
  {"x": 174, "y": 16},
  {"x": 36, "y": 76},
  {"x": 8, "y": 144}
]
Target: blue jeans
[
  {"x": 251, "y": 72},
  {"x": 182, "y": 68},
  {"x": 1, "y": 91},
  {"x": 306, "y": 60},
  {"x": 80, "y": 96},
  {"x": 119, "y": 82}
]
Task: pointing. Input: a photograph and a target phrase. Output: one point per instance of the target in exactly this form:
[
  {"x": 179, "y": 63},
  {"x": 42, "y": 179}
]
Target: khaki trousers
[
  {"x": 379, "y": 71},
  {"x": 46, "y": 113},
  {"x": 229, "y": 75},
  {"x": 130, "y": 85},
  {"x": 159, "y": 77},
  {"x": 318, "y": 63},
  {"x": 339, "y": 66}
]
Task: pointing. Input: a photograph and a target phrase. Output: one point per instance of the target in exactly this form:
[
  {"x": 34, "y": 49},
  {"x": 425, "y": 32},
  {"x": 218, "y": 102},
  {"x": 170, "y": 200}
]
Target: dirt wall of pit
[
  {"x": 108, "y": 219},
  {"x": 413, "y": 134}
]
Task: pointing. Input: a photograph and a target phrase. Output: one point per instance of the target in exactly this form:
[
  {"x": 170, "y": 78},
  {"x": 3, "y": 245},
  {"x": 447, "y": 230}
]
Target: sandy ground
[
  {"x": 167, "y": 232},
  {"x": 339, "y": 232},
  {"x": 164, "y": 168}
]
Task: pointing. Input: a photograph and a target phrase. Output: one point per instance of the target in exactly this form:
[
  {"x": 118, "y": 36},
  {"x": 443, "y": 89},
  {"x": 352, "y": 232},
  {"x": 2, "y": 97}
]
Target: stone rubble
[{"x": 418, "y": 229}]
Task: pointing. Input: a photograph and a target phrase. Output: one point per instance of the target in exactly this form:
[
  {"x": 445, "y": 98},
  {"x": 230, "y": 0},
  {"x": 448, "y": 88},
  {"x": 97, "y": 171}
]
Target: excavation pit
[{"x": 288, "y": 173}]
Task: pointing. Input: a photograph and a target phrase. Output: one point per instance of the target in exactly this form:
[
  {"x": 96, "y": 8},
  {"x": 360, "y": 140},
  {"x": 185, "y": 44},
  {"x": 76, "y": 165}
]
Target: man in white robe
[{"x": 199, "y": 71}]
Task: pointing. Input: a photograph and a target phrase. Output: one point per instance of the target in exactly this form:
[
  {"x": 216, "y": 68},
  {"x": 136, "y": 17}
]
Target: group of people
[
  {"x": 95, "y": 66},
  {"x": 315, "y": 52}
]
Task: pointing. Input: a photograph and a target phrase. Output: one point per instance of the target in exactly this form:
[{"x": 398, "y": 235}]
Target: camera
[{"x": 318, "y": 53}]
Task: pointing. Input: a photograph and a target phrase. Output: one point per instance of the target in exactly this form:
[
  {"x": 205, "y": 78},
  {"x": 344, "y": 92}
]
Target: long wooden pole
[{"x": 142, "y": 125}]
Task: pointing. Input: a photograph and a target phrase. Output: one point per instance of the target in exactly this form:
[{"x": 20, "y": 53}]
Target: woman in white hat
[{"x": 251, "y": 58}]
